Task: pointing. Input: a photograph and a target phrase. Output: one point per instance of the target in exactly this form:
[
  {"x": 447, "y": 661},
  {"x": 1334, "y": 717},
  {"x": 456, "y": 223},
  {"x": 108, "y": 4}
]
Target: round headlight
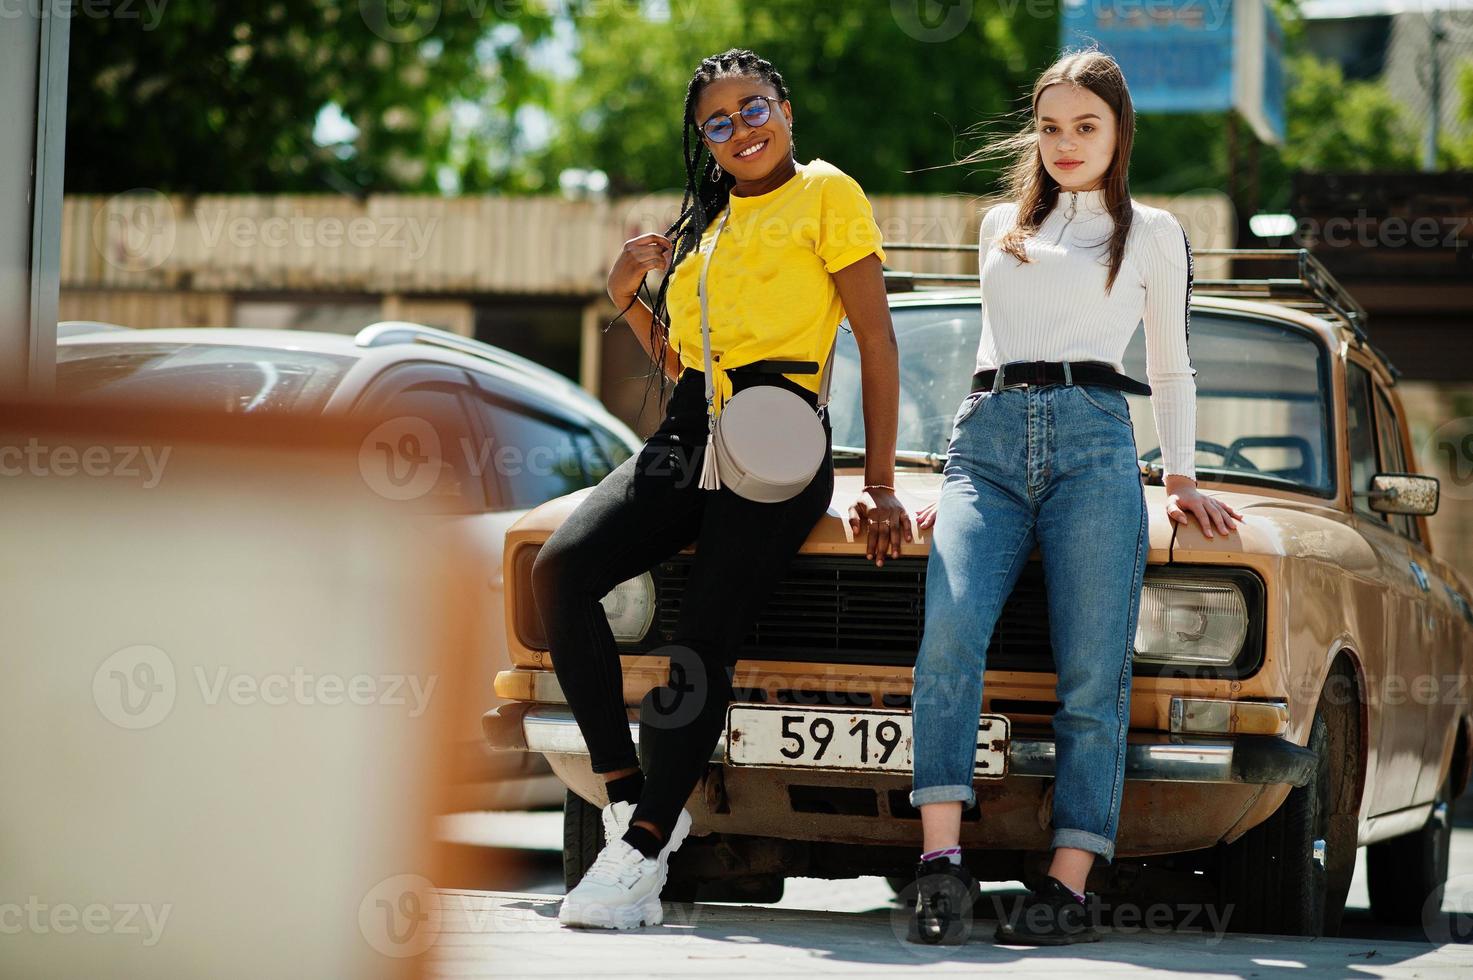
[{"x": 630, "y": 606}]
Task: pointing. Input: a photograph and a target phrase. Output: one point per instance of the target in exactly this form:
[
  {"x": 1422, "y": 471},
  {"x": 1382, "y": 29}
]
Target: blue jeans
[{"x": 1052, "y": 466}]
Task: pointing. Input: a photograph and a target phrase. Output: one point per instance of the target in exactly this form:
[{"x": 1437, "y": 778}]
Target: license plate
[{"x": 783, "y": 736}]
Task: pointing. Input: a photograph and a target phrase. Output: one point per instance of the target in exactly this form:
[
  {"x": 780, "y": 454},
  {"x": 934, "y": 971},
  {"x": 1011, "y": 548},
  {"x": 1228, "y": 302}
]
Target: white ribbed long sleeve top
[{"x": 1054, "y": 307}]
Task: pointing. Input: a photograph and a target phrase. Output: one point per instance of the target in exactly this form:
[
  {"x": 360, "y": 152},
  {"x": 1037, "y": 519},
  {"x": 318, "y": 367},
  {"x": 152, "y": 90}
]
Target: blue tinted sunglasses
[{"x": 718, "y": 128}]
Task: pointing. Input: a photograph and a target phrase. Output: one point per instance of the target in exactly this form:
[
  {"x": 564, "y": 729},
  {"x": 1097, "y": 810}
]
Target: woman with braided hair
[{"x": 799, "y": 250}]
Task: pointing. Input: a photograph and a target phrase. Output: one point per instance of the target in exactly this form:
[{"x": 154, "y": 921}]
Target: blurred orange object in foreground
[{"x": 232, "y": 671}]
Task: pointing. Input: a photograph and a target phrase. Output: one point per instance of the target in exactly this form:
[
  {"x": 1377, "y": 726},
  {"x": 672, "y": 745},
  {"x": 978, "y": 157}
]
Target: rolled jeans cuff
[
  {"x": 1085, "y": 841},
  {"x": 964, "y": 795}
]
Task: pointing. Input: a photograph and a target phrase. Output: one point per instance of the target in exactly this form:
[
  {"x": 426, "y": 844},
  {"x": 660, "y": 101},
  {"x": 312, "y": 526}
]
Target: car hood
[{"x": 1273, "y": 525}]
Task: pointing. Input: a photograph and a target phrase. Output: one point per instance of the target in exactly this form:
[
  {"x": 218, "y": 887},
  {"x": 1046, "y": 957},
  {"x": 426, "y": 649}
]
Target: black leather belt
[
  {"x": 1020, "y": 373},
  {"x": 771, "y": 366}
]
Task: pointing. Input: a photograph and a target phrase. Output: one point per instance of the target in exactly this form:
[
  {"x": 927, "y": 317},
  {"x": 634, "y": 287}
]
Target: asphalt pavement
[{"x": 499, "y": 919}]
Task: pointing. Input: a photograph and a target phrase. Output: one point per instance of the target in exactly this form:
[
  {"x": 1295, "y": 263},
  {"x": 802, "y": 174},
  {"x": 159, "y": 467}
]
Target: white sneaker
[
  {"x": 616, "y": 818},
  {"x": 677, "y": 837},
  {"x": 621, "y": 890}
]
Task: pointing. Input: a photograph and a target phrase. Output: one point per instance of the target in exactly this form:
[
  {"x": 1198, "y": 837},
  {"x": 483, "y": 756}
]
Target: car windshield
[
  {"x": 1262, "y": 409},
  {"x": 212, "y": 377}
]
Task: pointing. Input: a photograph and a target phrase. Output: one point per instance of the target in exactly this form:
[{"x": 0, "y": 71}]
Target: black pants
[{"x": 648, "y": 509}]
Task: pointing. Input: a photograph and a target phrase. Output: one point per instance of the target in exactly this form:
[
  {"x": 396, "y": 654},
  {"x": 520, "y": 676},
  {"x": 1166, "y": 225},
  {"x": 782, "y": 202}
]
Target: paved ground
[
  {"x": 855, "y": 928},
  {"x": 506, "y": 934}
]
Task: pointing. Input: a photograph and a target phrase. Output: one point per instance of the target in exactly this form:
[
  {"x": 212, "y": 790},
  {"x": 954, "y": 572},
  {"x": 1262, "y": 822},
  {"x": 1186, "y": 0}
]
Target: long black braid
[{"x": 705, "y": 194}]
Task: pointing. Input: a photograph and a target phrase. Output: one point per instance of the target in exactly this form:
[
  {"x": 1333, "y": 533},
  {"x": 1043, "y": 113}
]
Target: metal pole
[
  {"x": 1436, "y": 34},
  {"x": 33, "y": 76}
]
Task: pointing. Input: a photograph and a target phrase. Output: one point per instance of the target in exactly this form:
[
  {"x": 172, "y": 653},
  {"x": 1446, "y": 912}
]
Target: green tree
[
  {"x": 1330, "y": 125},
  {"x": 202, "y": 96},
  {"x": 893, "y": 99},
  {"x": 1458, "y": 151},
  {"x": 887, "y": 92},
  {"x": 1335, "y": 125}
]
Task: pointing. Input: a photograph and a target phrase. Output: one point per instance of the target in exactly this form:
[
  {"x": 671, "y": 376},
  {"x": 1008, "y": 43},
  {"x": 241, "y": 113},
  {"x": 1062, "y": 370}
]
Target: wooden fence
[{"x": 398, "y": 244}]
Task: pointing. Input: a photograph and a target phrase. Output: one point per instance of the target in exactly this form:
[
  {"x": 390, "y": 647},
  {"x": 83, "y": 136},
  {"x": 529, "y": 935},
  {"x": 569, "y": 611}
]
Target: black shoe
[
  {"x": 945, "y": 896},
  {"x": 1050, "y": 915}
]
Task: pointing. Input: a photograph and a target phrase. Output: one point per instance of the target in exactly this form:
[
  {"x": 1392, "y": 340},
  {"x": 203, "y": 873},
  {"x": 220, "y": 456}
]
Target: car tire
[
  {"x": 1406, "y": 875},
  {"x": 1269, "y": 880},
  {"x": 583, "y": 837}
]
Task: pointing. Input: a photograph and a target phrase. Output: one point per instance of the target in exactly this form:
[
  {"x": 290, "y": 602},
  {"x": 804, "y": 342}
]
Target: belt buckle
[
  {"x": 1000, "y": 380},
  {"x": 1019, "y": 384},
  {"x": 1015, "y": 384}
]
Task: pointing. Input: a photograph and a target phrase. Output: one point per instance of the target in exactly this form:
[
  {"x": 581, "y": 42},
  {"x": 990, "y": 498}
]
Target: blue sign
[
  {"x": 1273, "y": 74},
  {"x": 1189, "y": 55}
]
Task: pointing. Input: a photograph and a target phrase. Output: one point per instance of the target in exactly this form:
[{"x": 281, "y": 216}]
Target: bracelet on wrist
[{"x": 879, "y": 486}]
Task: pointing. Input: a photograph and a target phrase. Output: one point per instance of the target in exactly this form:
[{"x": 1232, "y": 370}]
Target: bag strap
[
  {"x": 710, "y": 473},
  {"x": 705, "y": 314}
]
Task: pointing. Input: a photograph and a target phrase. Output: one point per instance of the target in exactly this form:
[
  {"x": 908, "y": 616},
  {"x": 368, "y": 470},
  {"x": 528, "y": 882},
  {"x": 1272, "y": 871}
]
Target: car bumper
[{"x": 1251, "y": 759}]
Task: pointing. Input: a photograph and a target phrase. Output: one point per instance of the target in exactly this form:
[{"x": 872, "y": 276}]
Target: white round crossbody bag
[{"x": 768, "y": 443}]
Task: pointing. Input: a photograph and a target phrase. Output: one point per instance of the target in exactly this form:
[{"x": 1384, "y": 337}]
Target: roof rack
[
  {"x": 388, "y": 332},
  {"x": 1311, "y": 287},
  {"x": 899, "y": 281}
]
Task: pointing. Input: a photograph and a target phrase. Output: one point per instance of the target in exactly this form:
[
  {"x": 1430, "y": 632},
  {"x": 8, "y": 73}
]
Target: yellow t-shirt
[{"x": 770, "y": 287}]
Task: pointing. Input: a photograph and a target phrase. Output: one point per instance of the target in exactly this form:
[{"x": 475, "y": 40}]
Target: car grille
[{"x": 847, "y": 611}]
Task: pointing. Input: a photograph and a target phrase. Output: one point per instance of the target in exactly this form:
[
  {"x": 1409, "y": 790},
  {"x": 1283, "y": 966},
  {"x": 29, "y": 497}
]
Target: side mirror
[{"x": 1402, "y": 493}]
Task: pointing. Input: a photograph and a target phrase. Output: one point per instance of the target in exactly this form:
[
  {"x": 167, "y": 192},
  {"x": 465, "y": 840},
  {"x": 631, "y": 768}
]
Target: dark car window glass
[
  {"x": 1393, "y": 460},
  {"x": 1361, "y": 433},
  {"x": 616, "y": 451},
  {"x": 403, "y": 447},
  {"x": 534, "y": 458},
  {"x": 210, "y": 377},
  {"x": 591, "y": 455},
  {"x": 1262, "y": 393}
]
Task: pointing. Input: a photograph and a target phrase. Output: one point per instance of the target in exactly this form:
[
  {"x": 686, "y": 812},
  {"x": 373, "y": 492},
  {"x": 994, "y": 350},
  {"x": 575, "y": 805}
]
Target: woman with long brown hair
[{"x": 1043, "y": 454}]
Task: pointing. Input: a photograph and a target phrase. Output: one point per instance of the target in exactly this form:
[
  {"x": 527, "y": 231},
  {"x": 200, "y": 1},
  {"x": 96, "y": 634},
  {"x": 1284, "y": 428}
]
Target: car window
[
  {"x": 208, "y": 377},
  {"x": 1361, "y": 431},
  {"x": 1263, "y": 406},
  {"x": 535, "y": 456},
  {"x": 596, "y": 465},
  {"x": 1393, "y": 460},
  {"x": 615, "y": 450},
  {"x": 425, "y": 446}
]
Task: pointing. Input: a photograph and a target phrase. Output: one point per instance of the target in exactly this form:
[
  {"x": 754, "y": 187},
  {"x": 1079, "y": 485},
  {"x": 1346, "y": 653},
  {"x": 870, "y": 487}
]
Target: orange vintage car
[{"x": 1299, "y": 686}]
